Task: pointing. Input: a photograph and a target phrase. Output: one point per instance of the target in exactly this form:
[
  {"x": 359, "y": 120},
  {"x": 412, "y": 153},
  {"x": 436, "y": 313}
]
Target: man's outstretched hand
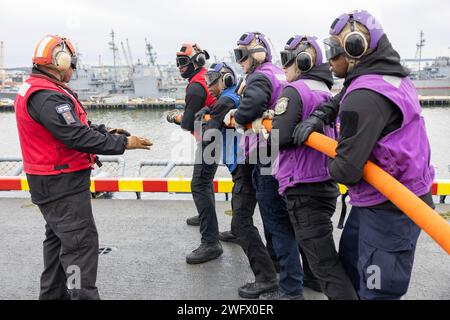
[{"x": 134, "y": 143}]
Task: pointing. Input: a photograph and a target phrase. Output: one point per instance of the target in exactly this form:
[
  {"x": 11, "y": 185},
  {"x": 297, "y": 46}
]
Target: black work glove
[
  {"x": 201, "y": 114},
  {"x": 305, "y": 128}
]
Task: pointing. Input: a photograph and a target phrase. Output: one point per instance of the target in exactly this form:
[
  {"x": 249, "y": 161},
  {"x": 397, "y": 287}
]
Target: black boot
[
  {"x": 279, "y": 295},
  {"x": 227, "y": 236},
  {"x": 255, "y": 289},
  {"x": 193, "y": 221},
  {"x": 205, "y": 253}
]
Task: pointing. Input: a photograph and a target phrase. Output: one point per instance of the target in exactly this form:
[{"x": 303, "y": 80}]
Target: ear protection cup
[
  {"x": 54, "y": 50},
  {"x": 259, "y": 57},
  {"x": 304, "y": 61},
  {"x": 200, "y": 59},
  {"x": 63, "y": 61},
  {"x": 228, "y": 80},
  {"x": 355, "y": 44}
]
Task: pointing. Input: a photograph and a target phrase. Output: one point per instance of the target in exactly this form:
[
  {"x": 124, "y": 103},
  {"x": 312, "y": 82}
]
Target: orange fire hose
[{"x": 425, "y": 217}]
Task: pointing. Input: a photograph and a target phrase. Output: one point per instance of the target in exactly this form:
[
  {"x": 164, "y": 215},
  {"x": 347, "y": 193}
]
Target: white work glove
[
  {"x": 257, "y": 125},
  {"x": 229, "y": 115},
  {"x": 268, "y": 115},
  {"x": 239, "y": 129},
  {"x": 227, "y": 120}
]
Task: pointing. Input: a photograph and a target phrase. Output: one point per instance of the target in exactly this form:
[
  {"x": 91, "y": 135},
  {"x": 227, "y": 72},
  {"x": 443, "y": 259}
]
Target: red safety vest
[
  {"x": 200, "y": 79},
  {"x": 210, "y": 99},
  {"x": 42, "y": 153}
]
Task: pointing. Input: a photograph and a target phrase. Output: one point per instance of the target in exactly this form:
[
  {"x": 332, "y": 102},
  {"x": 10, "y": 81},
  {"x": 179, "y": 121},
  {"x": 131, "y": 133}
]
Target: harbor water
[{"x": 172, "y": 143}]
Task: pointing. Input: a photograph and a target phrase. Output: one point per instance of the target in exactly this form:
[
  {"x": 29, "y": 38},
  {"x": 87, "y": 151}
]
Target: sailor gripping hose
[{"x": 417, "y": 210}]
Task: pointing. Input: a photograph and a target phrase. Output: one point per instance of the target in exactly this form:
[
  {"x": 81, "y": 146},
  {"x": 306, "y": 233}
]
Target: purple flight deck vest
[
  {"x": 249, "y": 141},
  {"x": 303, "y": 164},
  {"x": 405, "y": 153}
]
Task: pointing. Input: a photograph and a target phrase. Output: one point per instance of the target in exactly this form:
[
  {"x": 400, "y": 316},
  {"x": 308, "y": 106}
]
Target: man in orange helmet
[{"x": 58, "y": 147}]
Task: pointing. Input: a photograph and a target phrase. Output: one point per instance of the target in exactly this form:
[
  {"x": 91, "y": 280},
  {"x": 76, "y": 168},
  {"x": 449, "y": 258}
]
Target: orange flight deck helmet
[{"x": 63, "y": 60}]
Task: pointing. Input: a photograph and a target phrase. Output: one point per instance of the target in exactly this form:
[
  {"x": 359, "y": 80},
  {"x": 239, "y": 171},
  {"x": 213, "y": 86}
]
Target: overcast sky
[{"x": 215, "y": 25}]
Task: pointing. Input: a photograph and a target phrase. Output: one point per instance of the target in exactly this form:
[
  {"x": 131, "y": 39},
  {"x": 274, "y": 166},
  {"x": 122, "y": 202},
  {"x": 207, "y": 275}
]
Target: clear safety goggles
[{"x": 333, "y": 49}]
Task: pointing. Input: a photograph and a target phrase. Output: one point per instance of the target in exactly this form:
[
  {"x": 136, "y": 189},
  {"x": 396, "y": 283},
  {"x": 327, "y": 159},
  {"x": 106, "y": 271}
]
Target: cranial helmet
[
  {"x": 355, "y": 34},
  {"x": 303, "y": 50},
  {"x": 253, "y": 44}
]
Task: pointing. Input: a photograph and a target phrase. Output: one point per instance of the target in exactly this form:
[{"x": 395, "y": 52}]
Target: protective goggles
[
  {"x": 214, "y": 73},
  {"x": 212, "y": 77},
  {"x": 288, "y": 56},
  {"x": 333, "y": 49},
  {"x": 242, "y": 54},
  {"x": 183, "y": 61},
  {"x": 74, "y": 62}
]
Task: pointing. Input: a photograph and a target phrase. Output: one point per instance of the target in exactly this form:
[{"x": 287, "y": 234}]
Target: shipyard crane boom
[
  {"x": 130, "y": 55},
  {"x": 125, "y": 55},
  {"x": 129, "y": 64}
]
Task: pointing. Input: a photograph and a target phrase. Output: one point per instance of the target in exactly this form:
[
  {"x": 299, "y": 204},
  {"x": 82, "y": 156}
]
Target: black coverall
[
  {"x": 243, "y": 204},
  {"x": 261, "y": 258},
  {"x": 64, "y": 200}
]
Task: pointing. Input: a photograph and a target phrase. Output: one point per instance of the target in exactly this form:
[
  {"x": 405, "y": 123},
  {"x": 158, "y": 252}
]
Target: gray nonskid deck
[{"x": 150, "y": 240}]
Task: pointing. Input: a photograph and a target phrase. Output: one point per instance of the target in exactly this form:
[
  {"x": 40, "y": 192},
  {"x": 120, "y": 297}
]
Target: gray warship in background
[
  {"x": 120, "y": 82},
  {"x": 431, "y": 77},
  {"x": 133, "y": 81},
  {"x": 129, "y": 81}
]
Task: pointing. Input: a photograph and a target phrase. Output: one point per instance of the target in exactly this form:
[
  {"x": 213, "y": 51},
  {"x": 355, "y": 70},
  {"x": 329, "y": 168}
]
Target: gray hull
[{"x": 435, "y": 87}]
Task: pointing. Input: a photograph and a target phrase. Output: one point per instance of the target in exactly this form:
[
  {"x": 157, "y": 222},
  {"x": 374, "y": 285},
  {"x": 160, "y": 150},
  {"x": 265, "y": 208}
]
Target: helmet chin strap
[
  {"x": 298, "y": 72},
  {"x": 253, "y": 66},
  {"x": 221, "y": 85},
  {"x": 351, "y": 64}
]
